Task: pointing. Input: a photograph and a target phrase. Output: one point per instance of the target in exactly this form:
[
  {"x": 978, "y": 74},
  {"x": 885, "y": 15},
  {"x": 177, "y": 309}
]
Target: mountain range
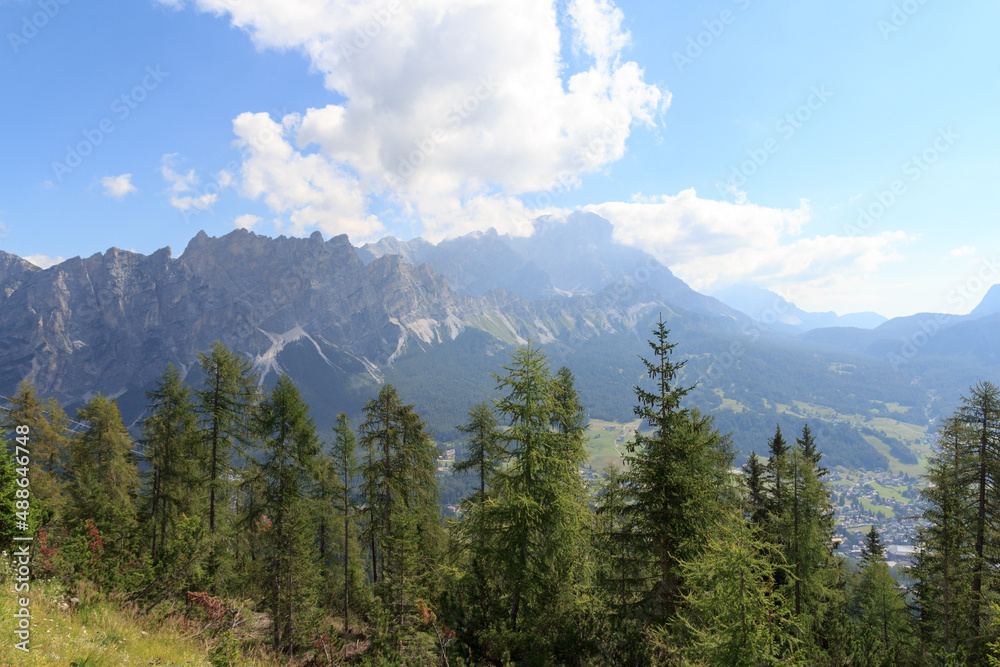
[{"x": 437, "y": 320}]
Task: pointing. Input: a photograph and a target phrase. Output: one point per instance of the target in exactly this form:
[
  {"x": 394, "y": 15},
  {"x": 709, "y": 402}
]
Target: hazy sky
[{"x": 841, "y": 153}]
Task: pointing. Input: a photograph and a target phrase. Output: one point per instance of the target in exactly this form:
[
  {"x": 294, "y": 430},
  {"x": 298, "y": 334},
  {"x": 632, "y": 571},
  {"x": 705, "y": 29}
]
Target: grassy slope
[{"x": 96, "y": 634}]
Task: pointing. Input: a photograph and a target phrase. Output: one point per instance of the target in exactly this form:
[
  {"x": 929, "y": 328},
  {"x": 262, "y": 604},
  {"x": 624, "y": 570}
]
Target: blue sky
[{"x": 841, "y": 153}]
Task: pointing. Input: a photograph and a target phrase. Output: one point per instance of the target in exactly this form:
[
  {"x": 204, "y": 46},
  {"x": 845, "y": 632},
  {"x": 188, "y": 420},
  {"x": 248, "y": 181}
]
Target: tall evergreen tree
[
  {"x": 539, "y": 514},
  {"x": 49, "y": 439},
  {"x": 753, "y": 480},
  {"x": 774, "y": 471},
  {"x": 171, "y": 451},
  {"x": 677, "y": 472},
  {"x": 732, "y": 612},
  {"x": 676, "y": 477},
  {"x": 807, "y": 519},
  {"x": 980, "y": 412},
  {"x": 339, "y": 550},
  {"x": 484, "y": 452},
  {"x": 399, "y": 489},
  {"x": 872, "y": 551},
  {"x": 484, "y": 457},
  {"x": 945, "y": 559},
  {"x": 289, "y": 450},
  {"x": 226, "y": 403},
  {"x": 883, "y": 631},
  {"x": 104, "y": 477}
]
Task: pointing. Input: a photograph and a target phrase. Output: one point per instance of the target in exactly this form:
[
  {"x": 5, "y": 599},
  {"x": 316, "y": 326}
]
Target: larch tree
[
  {"x": 104, "y": 476},
  {"x": 171, "y": 450},
  {"x": 289, "y": 448},
  {"x": 49, "y": 439}
]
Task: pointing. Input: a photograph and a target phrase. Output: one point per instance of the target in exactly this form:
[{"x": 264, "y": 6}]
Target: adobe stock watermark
[
  {"x": 365, "y": 35},
  {"x": 900, "y": 16},
  {"x": 754, "y": 328},
  {"x": 35, "y": 23},
  {"x": 786, "y": 127},
  {"x": 226, "y": 177},
  {"x": 714, "y": 28},
  {"x": 586, "y": 158},
  {"x": 609, "y": 298},
  {"x": 966, "y": 292},
  {"x": 454, "y": 119},
  {"x": 914, "y": 168},
  {"x": 122, "y": 107}
]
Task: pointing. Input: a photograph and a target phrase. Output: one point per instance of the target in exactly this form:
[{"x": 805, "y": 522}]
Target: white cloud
[
  {"x": 181, "y": 183},
  {"x": 247, "y": 221},
  {"x": 312, "y": 190},
  {"x": 449, "y": 103},
  {"x": 178, "y": 182},
  {"x": 4, "y": 229},
  {"x": 44, "y": 261},
  {"x": 962, "y": 251},
  {"x": 711, "y": 244},
  {"x": 118, "y": 186}
]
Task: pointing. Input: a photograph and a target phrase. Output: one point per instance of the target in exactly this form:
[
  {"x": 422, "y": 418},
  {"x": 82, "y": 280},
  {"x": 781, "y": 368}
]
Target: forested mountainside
[
  {"x": 341, "y": 321},
  {"x": 229, "y": 512}
]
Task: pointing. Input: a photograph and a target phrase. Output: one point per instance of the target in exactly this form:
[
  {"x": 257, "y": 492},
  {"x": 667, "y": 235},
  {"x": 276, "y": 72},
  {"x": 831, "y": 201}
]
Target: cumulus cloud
[
  {"x": 962, "y": 251},
  {"x": 247, "y": 221},
  {"x": 449, "y": 103},
  {"x": 44, "y": 261},
  {"x": 183, "y": 183},
  {"x": 118, "y": 186},
  {"x": 711, "y": 244}
]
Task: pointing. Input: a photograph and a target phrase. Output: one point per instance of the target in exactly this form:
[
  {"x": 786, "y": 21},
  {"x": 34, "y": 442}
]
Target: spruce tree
[
  {"x": 676, "y": 480},
  {"x": 980, "y": 412},
  {"x": 883, "y": 629},
  {"x": 402, "y": 529},
  {"x": 345, "y": 466},
  {"x": 872, "y": 551},
  {"x": 677, "y": 472},
  {"x": 484, "y": 457},
  {"x": 944, "y": 560},
  {"x": 756, "y": 492}
]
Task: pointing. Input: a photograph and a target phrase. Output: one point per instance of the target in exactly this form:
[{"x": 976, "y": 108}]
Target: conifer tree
[
  {"x": 775, "y": 473},
  {"x": 484, "y": 451},
  {"x": 104, "y": 477},
  {"x": 49, "y": 439},
  {"x": 807, "y": 521},
  {"x": 403, "y": 529},
  {"x": 289, "y": 450},
  {"x": 171, "y": 450},
  {"x": 335, "y": 522},
  {"x": 980, "y": 412},
  {"x": 538, "y": 513},
  {"x": 882, "y": 621},
  {"x": 732, "y": 612},
  {"x": 753, "y": 479},
  {"x": 944, "y": 560},
  {"x": 676, "y": 478},
  {"x": 484, "y": 457},
  {"x": 872, "y": 551},
  {"x": 226, "y": 402}
]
